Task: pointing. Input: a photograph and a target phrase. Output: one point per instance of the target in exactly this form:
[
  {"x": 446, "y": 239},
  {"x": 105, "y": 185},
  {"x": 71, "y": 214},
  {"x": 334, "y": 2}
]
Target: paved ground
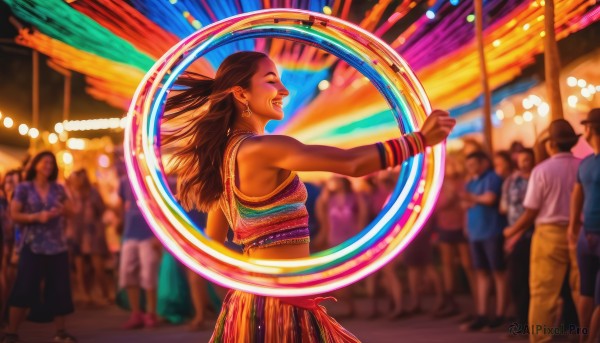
[{"x": 102, "y": 325}]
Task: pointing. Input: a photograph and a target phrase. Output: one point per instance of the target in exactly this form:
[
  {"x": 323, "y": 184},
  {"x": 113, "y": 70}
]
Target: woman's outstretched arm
[{"x": 287, "y": 153}]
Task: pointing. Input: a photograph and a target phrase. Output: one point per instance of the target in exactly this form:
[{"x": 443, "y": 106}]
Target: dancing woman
[{"x": 245, "y": 179}]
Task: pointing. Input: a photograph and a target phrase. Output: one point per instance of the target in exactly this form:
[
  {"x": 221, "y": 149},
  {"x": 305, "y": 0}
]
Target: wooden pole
[
  {"x": 487, "y": 101},
  {"x": 67, "y": 97},
  {"x": 552, "y": 63},
  {"x": 35, "y": 97}
]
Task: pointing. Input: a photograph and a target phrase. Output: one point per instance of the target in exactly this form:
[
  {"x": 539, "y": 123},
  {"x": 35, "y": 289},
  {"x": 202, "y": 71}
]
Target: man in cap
[
  {"x": 586, "y": 200},
  {"x": 547, "y": 203}
]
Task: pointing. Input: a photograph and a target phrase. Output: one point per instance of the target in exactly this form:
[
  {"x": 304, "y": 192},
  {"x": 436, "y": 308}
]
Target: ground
[{"x": 101, "y": 325}]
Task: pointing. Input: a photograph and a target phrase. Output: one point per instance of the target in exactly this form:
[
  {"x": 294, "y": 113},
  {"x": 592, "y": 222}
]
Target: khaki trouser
[{"x": 550, "y": 259}]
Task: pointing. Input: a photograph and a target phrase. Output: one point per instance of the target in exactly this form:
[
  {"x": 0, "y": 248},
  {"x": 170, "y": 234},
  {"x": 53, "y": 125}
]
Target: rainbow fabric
[
  {"x": 250, "y": 318},
  {"x": 279, "y": 217}
]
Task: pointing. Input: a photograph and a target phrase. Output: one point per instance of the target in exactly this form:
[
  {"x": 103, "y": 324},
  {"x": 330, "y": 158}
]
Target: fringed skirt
[{"x": 250, "y": 318}]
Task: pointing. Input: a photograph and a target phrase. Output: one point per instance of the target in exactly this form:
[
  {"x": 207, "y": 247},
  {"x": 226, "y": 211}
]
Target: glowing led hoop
[{"x": 411, "y": 202}]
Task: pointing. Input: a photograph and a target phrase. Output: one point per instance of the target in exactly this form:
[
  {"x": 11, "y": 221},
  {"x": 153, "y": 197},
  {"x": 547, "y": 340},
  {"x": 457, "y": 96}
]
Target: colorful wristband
[{"x": 396, "y": 151}]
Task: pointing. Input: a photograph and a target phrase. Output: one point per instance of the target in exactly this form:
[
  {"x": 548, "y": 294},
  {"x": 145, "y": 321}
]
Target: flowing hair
[{"x": 204, "y": 111}]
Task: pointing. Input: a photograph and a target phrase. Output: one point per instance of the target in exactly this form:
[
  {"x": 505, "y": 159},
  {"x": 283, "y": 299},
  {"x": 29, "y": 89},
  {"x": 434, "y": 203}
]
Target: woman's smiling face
[{"x": 266, "y": 91}]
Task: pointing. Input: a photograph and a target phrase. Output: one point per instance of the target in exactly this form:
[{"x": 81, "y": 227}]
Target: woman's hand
[
  {"x": 43, "y": 216},
  {"x": 437, "y": 127}
]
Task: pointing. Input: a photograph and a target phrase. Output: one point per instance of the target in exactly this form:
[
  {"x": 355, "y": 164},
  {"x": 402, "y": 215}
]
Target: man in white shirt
[{"x": 547, "y": 203}]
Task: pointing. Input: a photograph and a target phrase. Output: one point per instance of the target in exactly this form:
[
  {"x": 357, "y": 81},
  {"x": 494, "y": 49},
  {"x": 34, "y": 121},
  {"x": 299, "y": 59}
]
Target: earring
[{"x": 247, "y": 112}]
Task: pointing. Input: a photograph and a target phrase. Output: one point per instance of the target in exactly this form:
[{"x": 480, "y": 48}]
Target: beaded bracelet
[{"x": 396, "y": 151}]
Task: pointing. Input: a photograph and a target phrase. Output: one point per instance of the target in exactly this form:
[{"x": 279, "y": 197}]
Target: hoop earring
[{"x": 247, "y": 112}]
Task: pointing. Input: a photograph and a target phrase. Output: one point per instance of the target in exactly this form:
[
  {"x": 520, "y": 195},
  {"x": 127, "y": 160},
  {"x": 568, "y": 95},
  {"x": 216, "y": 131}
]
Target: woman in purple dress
[{"x": 39, "y": 207}]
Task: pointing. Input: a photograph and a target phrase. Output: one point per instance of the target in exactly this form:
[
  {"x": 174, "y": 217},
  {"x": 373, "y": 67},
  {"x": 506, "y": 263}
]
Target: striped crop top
[{"x": 279, "y": 217}]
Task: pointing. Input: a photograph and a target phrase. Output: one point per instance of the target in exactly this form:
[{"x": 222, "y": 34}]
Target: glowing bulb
[
  {"x": 527, "y": 116},
  {"x": 52, "y": 138},
  {"x": 34, "y": 133},
  {"x": 59, "y": 128},
  {"x": 0, "y": 115},
  {"x": 471, "y": 18},
  {"x": 496, "y": 43},
  {"x": 67, "y": 157},
  {"x": 454, "y": 2},
  {"x": 526, "y": 27},
  {"x": 76, "y": 144},
  {"x": 585, "y": 93},
  {"x": 63, "y": 136},
  {"x": 543, "y": 34},
  {"x": 327, "y": 10},
  {"x": 8, "y": 122},
  {"x": 581, "y": 83},
  {"x": 323, "y": 85},
  {"x": 571, "y": 81},
  {"x": 572, "y": 100},
  {"x": 535, "y": 100},
  {"x": 518, "y": 120},
  {"x": 23, "y": 129},
  {"x": 430, "y": 14},
  {"x": 103, "y": 161},
  {"x": 527, "y": 104},
  {"x": 591, "y": 89},
  {"x": 500, "y": 114},
  {"x": 543, "y": 109}
]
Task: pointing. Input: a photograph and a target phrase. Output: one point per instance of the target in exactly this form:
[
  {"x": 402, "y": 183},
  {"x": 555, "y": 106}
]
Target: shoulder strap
[{"x": 227, "y": 201}]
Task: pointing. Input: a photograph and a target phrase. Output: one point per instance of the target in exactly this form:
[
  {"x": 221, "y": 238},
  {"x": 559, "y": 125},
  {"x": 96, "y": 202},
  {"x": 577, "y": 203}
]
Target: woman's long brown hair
[{"x": 208, "y": 111}]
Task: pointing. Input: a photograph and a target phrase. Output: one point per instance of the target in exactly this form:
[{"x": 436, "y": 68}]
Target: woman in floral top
[{"x": 39, "y": 206}]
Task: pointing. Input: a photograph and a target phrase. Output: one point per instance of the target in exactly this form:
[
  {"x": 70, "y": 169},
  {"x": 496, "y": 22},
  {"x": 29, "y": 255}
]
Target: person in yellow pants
[{"x": 547, "y": 203}]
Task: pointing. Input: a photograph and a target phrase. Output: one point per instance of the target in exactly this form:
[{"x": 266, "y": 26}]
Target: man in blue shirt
[
  {"x": 585, "y": 202},
  {"x": 484, "y": 229},
  {"x": 139, "y": 261}
]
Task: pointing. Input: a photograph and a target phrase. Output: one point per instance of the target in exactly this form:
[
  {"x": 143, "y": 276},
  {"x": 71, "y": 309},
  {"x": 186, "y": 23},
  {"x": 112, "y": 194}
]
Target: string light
[
  {"x": 327, "y": 10},
  {"x": 571, "y": 81},
  {"x": 91, "y": 124},
  {"x": 471, "y": 18},
  {"x": 8, "y": 122},
  {"x": 430, "y": 14},
  {"x": 59, "y": 128},
  {"x": 518, "y": 120},
  {"x": 34, "y": 133},
  {"x": 585, "y": 93},
  {"x": 23, "y": 129},
  {"x": 67, "y": 158},
  {"x": 52, "y": 138},
  {"x": 543, "y": 109},
  {"x": 500, "y": 114},
  {"x": 572, "y": 100},
  {"x": 76, "y": 144},
  {"x": 527, "y": 116}
]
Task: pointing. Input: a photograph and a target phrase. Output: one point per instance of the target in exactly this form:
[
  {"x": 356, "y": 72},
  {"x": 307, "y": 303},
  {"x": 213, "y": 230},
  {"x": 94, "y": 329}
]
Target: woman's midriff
[{"x": 283, "y": 251}]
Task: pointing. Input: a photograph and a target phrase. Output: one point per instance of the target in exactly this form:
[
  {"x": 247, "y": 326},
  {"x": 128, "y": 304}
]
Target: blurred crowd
[{"x": 507, "y": 224}]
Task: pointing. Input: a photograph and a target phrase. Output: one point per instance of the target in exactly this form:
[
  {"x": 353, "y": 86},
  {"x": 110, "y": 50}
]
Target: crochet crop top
[{"x": 279, "y": 217}]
